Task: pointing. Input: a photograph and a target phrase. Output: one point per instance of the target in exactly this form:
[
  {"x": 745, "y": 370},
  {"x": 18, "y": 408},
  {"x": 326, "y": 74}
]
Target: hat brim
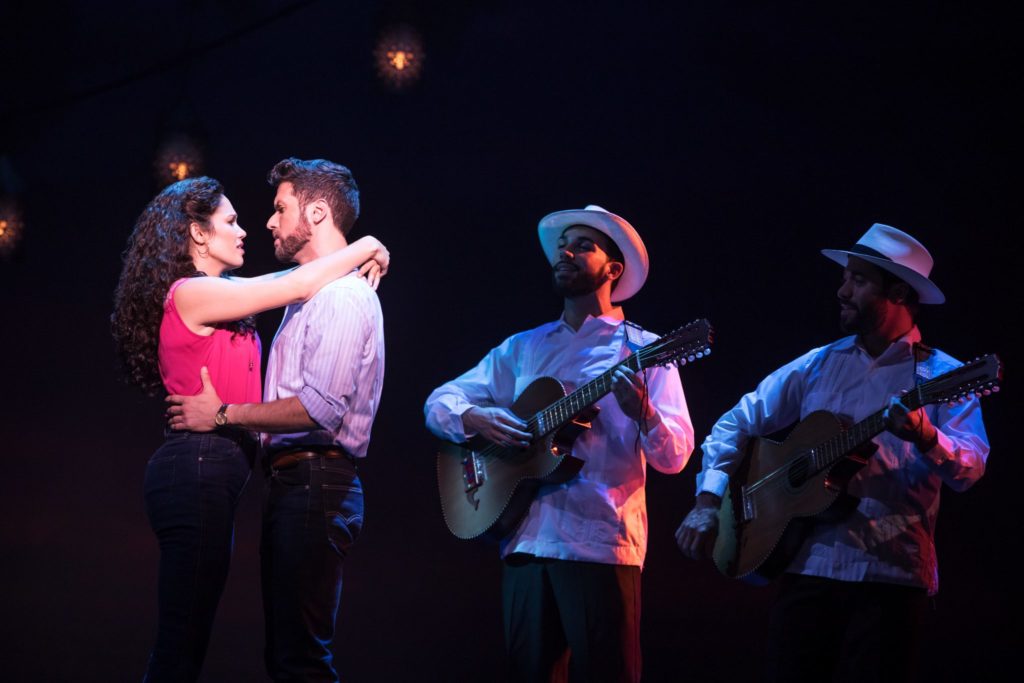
[
  {"x": 634, "y": 253},
  {"x": 927, "y": 291}
]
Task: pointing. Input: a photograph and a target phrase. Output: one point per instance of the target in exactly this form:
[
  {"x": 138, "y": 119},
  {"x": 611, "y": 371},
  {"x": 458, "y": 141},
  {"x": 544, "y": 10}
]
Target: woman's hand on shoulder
[
  {"x": 377, "y": 267},
  {"x": 372, "y": 273},
  {"x": 379, "y": 253}
]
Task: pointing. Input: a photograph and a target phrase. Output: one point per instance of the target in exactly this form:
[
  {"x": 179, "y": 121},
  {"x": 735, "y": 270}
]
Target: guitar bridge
[
  {"x": 473, "y": 474},
  {"x": 747, "y": 505}
]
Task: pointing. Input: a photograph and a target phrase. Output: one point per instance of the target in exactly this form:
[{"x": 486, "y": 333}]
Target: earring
[{"x": 202, "y": 254}]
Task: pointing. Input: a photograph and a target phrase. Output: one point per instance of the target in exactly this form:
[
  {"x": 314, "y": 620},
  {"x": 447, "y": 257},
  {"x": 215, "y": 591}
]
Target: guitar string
[
  {"x": 563, "y": 410},
  {"x": 835, "y": 451},
  {"x": 567, "y": 406}
]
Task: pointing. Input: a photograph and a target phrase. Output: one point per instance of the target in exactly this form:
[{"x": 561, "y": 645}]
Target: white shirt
[
  {"x": 890, "y": 537},
  {"x": 601, "y": 514},
  {"x": 329, "y": 352}
]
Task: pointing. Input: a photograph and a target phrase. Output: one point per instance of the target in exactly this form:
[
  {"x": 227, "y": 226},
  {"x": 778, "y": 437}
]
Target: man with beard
[
  {"x": 571, "y": 575},
  {"x": 851, "y": 600},
  {"x": 321, "y": 394}
]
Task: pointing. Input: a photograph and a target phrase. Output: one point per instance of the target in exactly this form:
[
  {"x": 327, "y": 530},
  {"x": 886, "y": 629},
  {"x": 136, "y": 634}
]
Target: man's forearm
[{"x": 280, "y": 416}]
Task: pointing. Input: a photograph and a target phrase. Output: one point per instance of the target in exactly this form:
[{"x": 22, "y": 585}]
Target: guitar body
[
  {"x": 486, "y": 489},
  {"x": 762, "y": 525}
]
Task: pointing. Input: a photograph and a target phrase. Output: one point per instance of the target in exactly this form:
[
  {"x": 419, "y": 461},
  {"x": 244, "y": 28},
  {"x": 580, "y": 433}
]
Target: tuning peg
[
  {"x": 995, "y": 389},
  {"x": 700, "y": 354}
]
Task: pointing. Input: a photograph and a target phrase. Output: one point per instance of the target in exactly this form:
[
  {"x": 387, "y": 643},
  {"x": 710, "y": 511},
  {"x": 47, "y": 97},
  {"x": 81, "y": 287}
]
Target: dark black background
[{"x": 739, "y": 139}]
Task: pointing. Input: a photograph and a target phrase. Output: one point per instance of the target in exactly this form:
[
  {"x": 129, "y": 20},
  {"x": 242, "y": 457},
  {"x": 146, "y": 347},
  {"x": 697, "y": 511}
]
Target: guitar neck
[
  {"x": 556, "y": 415},
  {"x": 829, "y": 452}
]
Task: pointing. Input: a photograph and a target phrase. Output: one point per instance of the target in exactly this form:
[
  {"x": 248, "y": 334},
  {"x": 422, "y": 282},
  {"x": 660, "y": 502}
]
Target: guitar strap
[
  {"x": 922, "y": 352},
  {"x": 635, "y": 341},
  {"x": 634, "y": 336}
]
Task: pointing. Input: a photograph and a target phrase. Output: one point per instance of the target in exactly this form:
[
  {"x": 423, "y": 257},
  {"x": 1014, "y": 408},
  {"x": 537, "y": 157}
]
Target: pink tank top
[{"x": 233, "y": 359}]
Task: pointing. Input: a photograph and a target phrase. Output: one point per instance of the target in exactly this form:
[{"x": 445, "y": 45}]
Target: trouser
[
  {"x": 192, "y": 486},
  {"x": 826, "y": 630},
  {"x": 566, "y": 620},
  {"x": 312, "y": 514}
]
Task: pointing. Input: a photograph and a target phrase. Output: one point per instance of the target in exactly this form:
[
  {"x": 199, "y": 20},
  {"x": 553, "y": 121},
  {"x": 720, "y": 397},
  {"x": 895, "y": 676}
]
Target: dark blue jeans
[
  {"x": 193, "y": 483},
  {"x": 312, "y": 515}
]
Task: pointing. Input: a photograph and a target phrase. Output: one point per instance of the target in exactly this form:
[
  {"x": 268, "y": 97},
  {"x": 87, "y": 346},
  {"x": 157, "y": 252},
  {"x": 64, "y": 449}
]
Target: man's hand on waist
[{"x": 194, "y": 413}]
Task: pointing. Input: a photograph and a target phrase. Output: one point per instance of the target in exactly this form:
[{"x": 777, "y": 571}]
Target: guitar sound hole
[{"x": 797, "y": 472}]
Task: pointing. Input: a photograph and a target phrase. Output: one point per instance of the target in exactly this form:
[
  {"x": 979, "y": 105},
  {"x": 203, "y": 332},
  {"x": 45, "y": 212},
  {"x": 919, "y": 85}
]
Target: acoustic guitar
[
  {"x": 781, "y": 488},
  {"x": 486, "y": 488}
]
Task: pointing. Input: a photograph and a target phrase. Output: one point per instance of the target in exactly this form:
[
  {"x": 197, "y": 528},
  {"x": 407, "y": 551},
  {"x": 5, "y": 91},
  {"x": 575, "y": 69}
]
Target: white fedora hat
[
  {"x": 897, "y": 252},
  {"x": 634, "y": 253}
]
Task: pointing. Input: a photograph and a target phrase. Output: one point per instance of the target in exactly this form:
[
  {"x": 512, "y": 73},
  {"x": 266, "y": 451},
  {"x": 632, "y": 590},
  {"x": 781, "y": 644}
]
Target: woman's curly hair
[{"x": 157, "y": 255}]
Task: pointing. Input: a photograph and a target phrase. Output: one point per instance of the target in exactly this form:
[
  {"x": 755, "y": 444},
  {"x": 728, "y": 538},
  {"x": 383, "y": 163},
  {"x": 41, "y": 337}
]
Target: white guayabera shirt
[
  {"x": 890, "y": 537},
  {"x": 601, "y": 514}
]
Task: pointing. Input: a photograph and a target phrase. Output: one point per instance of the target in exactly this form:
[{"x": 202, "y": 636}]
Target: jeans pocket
[
  {"x": 343, "y": 512},
  {"x": 215, "y": 448}
]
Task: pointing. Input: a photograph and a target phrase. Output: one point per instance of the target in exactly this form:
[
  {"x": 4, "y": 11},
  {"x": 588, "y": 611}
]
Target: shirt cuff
[
  {"x": 714, "y": 482},
  {"x": 942, "y": 451}
]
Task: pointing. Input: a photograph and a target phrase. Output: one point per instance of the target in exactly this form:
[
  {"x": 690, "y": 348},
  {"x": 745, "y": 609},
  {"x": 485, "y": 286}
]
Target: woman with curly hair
[{"x": 175, "y": 312}]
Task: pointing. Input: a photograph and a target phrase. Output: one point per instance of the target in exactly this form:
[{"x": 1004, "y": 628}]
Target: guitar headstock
[
  {"x": 981, "y": 377},
  {"x": 680, "y": 346}
]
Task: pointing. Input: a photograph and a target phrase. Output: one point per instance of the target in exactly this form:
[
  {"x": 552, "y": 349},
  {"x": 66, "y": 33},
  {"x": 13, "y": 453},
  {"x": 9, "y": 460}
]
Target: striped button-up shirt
[{"x": 329, "y": 352}]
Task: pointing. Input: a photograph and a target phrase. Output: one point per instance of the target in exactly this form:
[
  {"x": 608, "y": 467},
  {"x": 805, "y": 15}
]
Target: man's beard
[
  {"x": 579, "y": 285},
  {"x": 863, "y": 321},
  {"x": 293, "y": 244}
]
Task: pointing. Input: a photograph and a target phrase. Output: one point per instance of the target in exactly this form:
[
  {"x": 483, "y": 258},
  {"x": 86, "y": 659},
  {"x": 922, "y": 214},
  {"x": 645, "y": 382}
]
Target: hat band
[{"x": 868, "y": 251}]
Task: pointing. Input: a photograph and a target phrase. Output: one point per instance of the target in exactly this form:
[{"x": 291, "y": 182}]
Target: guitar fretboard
[
  {"x": 829, "y": 452},
  {"x": 561, "y": 411}
]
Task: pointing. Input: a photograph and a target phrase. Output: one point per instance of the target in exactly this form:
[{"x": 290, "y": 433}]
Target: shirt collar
[
  {"x": 897, "y": 351},
  {"x": 612, "y": 318}
]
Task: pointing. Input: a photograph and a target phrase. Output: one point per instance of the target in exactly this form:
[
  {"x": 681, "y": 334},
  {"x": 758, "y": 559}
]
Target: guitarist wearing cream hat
[
  {"x": 571, "y": 578},
  {"x": 855, "y": 579}
]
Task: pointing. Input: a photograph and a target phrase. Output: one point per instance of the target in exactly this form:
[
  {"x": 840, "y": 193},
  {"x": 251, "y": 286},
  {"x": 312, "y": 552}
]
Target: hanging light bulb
[
  {"x": 399, "y": 56},
  {"x": 179, "y": 157},
  {"x": 11, "y": 225}
]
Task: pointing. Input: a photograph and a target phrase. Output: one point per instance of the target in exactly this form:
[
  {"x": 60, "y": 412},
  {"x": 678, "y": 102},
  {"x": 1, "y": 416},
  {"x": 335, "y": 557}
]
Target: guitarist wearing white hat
[
  {"x": 571, "y": 581},
  {"x": 856, "y": 583}
]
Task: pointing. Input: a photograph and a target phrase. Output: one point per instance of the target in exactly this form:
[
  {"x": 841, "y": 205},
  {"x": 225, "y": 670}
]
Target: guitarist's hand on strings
[
  {"x": 497, "y": 425},
  {"x": 631, "y": 392},
  {"x": 696, "y": 535},
  {"x": 911, "y": 425}
]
